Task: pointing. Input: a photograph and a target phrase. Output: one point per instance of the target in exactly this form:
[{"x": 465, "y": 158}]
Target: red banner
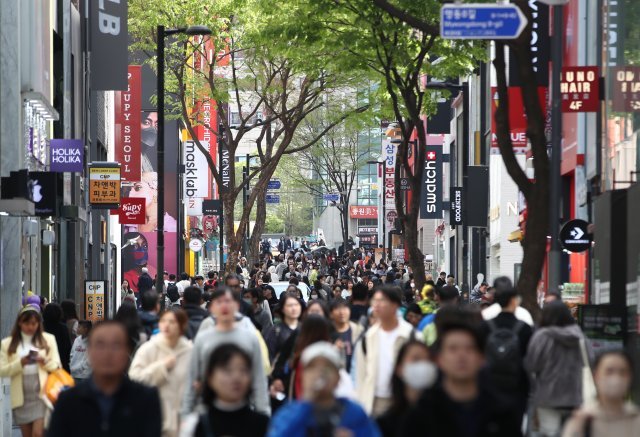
[
  {"x": 127, "y": 126},
  {"x": 363, "y": 212},
  {"x": 517, "y": 117},
  {"x": 132, "y": 211}
]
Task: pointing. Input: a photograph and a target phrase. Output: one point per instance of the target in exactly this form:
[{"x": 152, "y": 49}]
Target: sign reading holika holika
[{"x": 67, "y": 155}]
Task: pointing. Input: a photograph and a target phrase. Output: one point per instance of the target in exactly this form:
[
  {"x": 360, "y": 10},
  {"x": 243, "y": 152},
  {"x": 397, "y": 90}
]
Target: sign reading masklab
[
  {"x": 456, "y": 212},
  {"x": 109, "y": 55},
  {"x": 67, "y": 155},
  {"x": 431, "y": 193}
]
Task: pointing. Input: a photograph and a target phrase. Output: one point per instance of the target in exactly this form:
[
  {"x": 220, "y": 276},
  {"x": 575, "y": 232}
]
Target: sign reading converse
[
  {"x": 575, "y": 236},
  {"x": 457, "y": 206},
  {"x": 67, "y": 155},
  {"x": 431, "y": 194}
]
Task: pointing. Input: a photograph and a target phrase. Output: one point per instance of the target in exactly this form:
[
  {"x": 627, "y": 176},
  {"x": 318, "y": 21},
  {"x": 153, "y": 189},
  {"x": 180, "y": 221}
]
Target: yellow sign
[
  {"x": 94, "y": 300},
  {"x": 104, "y": 184}
]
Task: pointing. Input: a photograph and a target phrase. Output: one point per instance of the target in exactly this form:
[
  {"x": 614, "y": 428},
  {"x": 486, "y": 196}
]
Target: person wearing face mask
[
  {"x": 412, "y": 374},
  {"x": 148, "y": 138},
  {"x": 612, "y": 414},
  {"x": 261, "y": 316}
]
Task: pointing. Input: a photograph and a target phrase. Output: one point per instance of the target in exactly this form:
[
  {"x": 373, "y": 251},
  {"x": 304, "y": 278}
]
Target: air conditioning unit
[
  {"x": 48, "y": 238},
  {"x": 30, "y": 228}
]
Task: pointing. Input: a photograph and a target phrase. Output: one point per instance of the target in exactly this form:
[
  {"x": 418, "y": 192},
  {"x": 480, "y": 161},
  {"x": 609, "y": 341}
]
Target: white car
[{"x": 281, "y": 287}]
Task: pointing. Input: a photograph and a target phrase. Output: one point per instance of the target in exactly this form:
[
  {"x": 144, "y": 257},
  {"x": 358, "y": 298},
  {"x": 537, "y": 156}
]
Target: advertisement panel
[
  {"x": 128, "y": 125},
  {"x": 140, "y": 251},
  {"x": 109, "y": 45},
  {"x": 431, "y": 193},
  {"x": 104, "y": 184},
  {"x": 66, "y": 155},
  {"x": 196, "y": 170}
]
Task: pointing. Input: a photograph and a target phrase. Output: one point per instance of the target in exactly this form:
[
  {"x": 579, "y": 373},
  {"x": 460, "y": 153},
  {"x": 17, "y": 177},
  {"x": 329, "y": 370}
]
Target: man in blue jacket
[{"x": 321, "y": 413}]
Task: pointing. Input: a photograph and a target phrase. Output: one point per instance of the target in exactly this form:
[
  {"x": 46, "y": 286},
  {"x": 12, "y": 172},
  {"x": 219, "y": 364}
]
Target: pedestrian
[
  {"x": 445, "y": 297},
  {"x": 413, "y": 315},
  {"x": 127, "y": 294},
  {"x": 613, "y": 414},
  {"x": 413, "y": 372},
  {"x": 359, "y": 303},
  {"x": 494, "y": 309},
  {"x": 226, "y": 330},
  {"x": 109, "y": 403},
  {"x": 442, "y": 279},
  {"x": 79, "y": 359},
  {"x": 261, "y": 315},
  {"x": 70, "y": 318},
  {"x": 290, "y": 311},
  {"x": 554, "y": 361},
  {"x": 145, "y": 282},
  {"x": 320, "y": 412},
  {"x": 225, "y": 408},
  {"x": 346, "y": 331},
  {"x": 192, "y": 304},
  {"x": 183, "y": 283},
  {"x": 318, "y": 308},
  {"x": 128, "y": 315},
  {"x": 149, "y": 309},
  {"x": 507, "y": 342},
  {"x": 460, "y": 405},
  {"x": 163, "y": 362},
  {"x": 27, "y": 356},
  {"x": 53, "y": 324},
  {"x": 378, "y": 349}
]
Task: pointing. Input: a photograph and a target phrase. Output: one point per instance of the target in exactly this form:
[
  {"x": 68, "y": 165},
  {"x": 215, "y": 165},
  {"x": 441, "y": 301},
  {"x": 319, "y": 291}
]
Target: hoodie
[
  {"x": 149, "y": 322},
  {"x": 554, "y": 363},
  {"x": 79, "y": 362}
]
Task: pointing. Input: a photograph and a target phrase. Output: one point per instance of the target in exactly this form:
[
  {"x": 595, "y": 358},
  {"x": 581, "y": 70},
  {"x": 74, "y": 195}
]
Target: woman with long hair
[
  {"x": 290, "y": 311},
  {"x": 128, "y": 315},
  {"x": 163, "y": 362},
  {"x": 27, "y": 356},
  {"x": 412, "y": 374},
  {"x": 70, "y": 318},
  {"x": 53, "y": 324}
]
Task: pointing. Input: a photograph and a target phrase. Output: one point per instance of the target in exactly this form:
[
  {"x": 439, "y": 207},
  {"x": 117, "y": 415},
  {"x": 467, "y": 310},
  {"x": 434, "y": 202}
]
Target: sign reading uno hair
[
  {"x": 580, "y": 89},
  {"x": 128, "y": 119}
]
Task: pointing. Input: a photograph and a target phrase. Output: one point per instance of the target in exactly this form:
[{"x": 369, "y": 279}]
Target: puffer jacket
[{"x": 554, "y": 363}]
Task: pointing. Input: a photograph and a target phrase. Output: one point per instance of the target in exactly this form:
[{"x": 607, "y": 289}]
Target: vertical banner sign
[
  {"x": 109, "y": 45},
  {"x": 67, "y": 155},
  {"x": 104, "y": 185},
  {"x": 94, "y": 300},
  {"x": 389, "y": 157},
  {"x": 580, "y": 89},
  {"x": 196, "y": 173},
  {"x": 456, "y": 211},
  {"x": 128, "y": 122},
  {"x": 626, "y": 89},
  {"x": 431, "y": 194},
  {"x": 539, "y": 45},
  {"x": 225, "y": 168}
]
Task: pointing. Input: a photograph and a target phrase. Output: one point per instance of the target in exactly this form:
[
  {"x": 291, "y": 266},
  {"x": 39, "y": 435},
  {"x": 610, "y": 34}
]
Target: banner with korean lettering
[
  {"x": 128, "y": 121},
  {"x": 94, "y": 300},
  {"x": 363, "y": 212},
  {"x": 389, "y": 150}
]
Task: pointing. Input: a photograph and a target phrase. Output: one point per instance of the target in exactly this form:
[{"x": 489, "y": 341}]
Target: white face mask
[
  {"x": 614, "y": 387},
  {"x": 419, "y": 375}
]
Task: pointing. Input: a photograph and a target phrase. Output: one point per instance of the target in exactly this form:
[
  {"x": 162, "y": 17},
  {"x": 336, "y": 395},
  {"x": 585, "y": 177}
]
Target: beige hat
[{"x": 321, "y": 349}]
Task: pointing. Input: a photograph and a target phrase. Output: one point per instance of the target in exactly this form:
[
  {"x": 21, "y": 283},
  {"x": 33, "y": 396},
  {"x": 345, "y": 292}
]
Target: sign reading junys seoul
[
  {"x": 196, "y": 170},
  {"x": 580, "y": 89},
  {"x": 104, "y": 185},
  {"x": 431, "y": 194},
  {"x": 626, "y": 89},
  {"x": 127, "y": 109},
  {"x": 67, "y": 155}
]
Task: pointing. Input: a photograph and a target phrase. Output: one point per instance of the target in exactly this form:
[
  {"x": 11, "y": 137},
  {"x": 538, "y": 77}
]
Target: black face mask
[{"x": 149, "y": 136}]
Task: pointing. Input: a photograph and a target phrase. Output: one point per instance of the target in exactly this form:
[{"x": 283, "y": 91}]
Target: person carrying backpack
[
  {"x": 173, "y": 294},
  {"x": 507, "y": 341}
]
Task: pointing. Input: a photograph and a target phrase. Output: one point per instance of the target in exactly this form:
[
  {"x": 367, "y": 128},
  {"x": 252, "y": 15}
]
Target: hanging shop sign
[
  {"x": 44, "y": 192},
  {"x": 456, "y": 211},
  {"x": 363, "y": 212},
  {"x": 94, "y": 300},
  {"x": 196, "y": 170},
  {"x": 66, "y": 155},
  {"x": 369, "y": 239},
  {"x": 195, "y": 245},
  {"x": 128, "y": 110},
  {"x": 366, "y": 230},
  {"x": 431, "y": 193},
  {"x": 575, "y": 236},
  {"x": 132, "y": 211},
  {"x": 104, "y": 185},
  {"x": 109, "y": 44},
  {"x": 212, "y": 207},
  {"x": 580, "y": 89},
  {"x": 404, "y": 184},
  {"x": 626, "y": 89}
]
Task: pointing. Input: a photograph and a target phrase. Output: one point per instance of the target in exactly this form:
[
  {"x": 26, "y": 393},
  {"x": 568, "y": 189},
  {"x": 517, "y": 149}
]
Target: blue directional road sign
[
  {"x": 481, "y": 21},
  {"x": 272, "y": 198},
  {"x": 274, "y": 184},
  {"x": 331, "y": 197}
]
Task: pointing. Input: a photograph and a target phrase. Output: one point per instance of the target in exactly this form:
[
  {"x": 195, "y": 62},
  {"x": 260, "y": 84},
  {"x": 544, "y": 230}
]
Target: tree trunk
[
  {"x": 416, "y": 258},
  {"x": 258, "y": 230},
  {"x": 229, "y": 235}
]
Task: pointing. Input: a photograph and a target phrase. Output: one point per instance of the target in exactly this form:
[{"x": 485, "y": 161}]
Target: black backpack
[
  {"x": 503, "y": 355},
  {"x": 172, "y": 292}
]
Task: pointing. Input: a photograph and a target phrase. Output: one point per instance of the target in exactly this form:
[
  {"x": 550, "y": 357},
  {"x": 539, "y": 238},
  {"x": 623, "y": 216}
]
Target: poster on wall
[{"x": 139, "y": 250}]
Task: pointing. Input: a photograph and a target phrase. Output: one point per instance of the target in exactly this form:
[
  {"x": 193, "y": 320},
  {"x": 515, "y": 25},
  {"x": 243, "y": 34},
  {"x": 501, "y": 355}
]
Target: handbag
[
  {"x": 588, "y": 386},
  {"x": 57, "y": 381}
]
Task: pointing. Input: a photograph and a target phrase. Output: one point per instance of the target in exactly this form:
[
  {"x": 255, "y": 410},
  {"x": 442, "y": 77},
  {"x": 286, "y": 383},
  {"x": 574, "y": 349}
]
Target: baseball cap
[{"x": 321, "y": 349}]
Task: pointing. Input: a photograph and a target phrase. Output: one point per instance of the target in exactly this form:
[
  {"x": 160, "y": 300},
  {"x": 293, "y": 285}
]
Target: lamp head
[{"x": 197, "y": 30}]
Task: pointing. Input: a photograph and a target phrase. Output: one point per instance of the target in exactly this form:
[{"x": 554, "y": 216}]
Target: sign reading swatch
[
  {"x": 67, "y": 155},
  {"x": 128, "y": 120}
]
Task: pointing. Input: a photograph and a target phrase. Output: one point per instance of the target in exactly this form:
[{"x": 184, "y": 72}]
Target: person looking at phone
[{"x": 27, "y": 356}]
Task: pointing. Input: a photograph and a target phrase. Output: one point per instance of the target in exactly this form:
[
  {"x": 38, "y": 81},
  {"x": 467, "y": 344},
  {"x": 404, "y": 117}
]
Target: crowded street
[{"x": 319, "y": 218}]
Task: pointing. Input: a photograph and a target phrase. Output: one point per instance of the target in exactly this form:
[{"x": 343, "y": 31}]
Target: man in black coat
[
  {"x": 109, "y": 404},
  {"x": 460, "y": 405},
  {"x": 192, "y": 299}
]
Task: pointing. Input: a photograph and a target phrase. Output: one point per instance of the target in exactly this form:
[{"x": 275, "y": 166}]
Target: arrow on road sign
[{"x": 481, "y": 21}]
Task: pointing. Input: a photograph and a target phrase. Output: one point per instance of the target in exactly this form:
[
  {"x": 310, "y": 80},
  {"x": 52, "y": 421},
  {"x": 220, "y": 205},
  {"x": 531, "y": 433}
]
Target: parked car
[{"x": 280, "y": 287}]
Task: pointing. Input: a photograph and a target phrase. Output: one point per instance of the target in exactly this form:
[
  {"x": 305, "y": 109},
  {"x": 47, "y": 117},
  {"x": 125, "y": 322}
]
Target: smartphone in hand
[{"x": 33, "y": 355}]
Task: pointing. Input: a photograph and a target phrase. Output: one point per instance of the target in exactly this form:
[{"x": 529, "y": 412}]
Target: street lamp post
[{"x": 162, "y": 33}]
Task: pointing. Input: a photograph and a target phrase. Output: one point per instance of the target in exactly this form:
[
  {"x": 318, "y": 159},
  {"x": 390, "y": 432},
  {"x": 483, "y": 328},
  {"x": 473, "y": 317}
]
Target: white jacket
[{"x": 79, "y": 360}]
